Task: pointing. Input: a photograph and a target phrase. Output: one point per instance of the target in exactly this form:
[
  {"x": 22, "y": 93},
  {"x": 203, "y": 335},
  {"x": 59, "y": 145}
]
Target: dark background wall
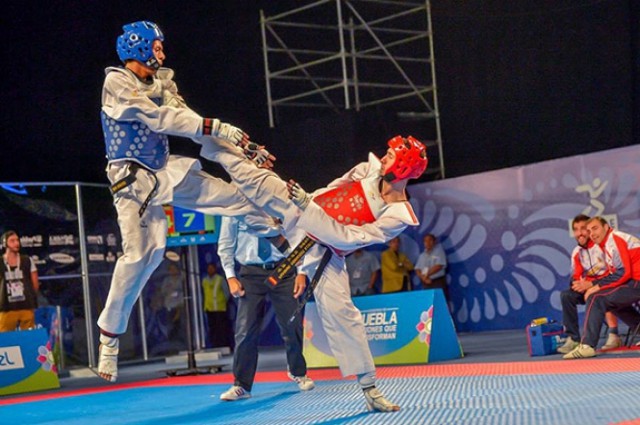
[{"x": 519, "y": 82}]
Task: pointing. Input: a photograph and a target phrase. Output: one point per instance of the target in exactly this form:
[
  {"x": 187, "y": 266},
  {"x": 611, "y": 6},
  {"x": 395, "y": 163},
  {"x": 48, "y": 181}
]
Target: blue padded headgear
[{"x": 137, "y": 41}]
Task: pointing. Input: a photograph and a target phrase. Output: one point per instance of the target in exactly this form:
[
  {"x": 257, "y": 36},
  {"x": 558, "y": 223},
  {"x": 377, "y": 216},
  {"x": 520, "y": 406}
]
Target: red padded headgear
[{"x": 411, "y": 159}]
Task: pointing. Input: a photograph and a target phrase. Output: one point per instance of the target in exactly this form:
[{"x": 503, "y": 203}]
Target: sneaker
[
  {"x": 582, "y": 351},
  {"x": 376, "y": 401},
  {"x": 108, "y": 360},
  {"x": 234, "y": 393},
  {"x": 304, "y": 382},
  {"x": 569, "y": 345},
  {"x": 613, "y": 341}
]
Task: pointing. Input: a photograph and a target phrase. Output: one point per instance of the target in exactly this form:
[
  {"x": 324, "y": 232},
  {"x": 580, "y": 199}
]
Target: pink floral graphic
[
  {"x": 45, "y": 356},
  {"x": 424, "y": 326}
]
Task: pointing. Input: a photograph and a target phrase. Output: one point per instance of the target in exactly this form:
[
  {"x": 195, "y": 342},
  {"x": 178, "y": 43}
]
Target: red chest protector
[{"x": 347, "y": 205}]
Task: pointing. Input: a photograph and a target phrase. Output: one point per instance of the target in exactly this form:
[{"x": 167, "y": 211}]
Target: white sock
[{"x": 109, "y": 341}]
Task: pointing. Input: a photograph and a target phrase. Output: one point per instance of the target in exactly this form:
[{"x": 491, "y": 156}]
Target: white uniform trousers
[
  {"x": 263, "y": 187},
  {"x": 181, "y": 183},
  {"x": 342, "y": 321}
]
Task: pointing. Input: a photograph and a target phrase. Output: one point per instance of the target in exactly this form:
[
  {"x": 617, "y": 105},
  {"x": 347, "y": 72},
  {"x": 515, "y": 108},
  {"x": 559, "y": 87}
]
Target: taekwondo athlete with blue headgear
[{"x": 141, "y": 107}]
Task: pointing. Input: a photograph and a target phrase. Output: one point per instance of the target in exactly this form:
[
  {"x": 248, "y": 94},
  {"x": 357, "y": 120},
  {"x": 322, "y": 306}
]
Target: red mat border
[{"x": 556, "y": 367}]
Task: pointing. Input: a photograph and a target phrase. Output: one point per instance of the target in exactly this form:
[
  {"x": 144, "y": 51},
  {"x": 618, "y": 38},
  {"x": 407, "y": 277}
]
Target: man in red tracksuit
[
  {"x": 587, "y": 265},
  {"x": 617, "y": 291}
]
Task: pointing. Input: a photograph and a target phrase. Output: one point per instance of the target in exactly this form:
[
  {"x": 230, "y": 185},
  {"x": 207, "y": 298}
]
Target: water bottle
[{"x": 540, "y": 321}]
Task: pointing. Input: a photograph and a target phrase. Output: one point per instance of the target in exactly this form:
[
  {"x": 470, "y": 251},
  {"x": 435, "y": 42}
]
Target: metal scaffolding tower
[{"x": 352, "y": 55}]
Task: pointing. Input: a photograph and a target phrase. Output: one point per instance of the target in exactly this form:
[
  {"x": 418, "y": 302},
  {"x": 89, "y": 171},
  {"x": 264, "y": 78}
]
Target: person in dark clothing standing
[
  {"x": 253, "y": 249},
  {"x": 18, "y": 286}
]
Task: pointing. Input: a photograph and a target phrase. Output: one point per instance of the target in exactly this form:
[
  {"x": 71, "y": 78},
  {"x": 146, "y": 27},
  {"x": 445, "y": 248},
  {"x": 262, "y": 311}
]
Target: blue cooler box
[{"x": 545, "y": 339}]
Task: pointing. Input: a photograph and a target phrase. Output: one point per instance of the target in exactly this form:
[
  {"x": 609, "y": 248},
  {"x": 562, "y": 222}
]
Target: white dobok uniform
[
  {"x": 137, "y": 117},
  {"x": 341, "y": 320}
]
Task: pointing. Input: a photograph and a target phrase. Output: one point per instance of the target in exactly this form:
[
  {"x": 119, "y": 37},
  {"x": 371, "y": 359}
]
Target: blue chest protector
[{"x": 134, "y": 141}]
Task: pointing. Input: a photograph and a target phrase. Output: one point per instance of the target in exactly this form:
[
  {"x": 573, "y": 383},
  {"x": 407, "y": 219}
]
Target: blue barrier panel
[
  {"x": 26, "y": 362},
  {"x": 402, "y": 328}
]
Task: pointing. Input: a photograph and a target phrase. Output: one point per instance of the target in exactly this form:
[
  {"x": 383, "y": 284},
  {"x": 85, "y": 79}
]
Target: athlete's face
[
  {"x": 142, "y": 70},
  {"x": 581, "y": 233},
  {"x": 158, "y": 51},
  {"x": 597, "y": 231},
  {"x": 387, "y": 161}
]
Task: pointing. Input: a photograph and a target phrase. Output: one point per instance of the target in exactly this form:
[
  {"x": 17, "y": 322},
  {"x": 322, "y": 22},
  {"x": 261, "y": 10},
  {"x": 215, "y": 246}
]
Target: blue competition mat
[{"x": 600, "y": 398}]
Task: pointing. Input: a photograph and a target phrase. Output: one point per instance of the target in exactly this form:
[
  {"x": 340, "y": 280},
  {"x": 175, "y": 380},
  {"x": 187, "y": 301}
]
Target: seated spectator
[
  {"x": 395, "y": 268},
  {"x": 587, "y": 265},
  {"x": 617, "y": 291},
  {"x": 363, "y": 268}
]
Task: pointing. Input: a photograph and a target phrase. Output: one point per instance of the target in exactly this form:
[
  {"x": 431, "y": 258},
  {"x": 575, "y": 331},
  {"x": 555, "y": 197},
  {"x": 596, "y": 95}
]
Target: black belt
[
  {"x": 326, "y": 257},
  {"x": 292, "y": 259},
  {"x": 265, "y": 266},
  {"x": 129, "y": 179}
]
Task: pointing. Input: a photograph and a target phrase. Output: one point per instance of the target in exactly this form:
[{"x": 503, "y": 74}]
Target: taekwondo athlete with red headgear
[{"x": 372, "y": 208}]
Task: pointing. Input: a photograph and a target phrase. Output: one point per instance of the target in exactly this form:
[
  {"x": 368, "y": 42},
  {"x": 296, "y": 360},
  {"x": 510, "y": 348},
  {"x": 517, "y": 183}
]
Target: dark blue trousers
[
  {"x": 619, "y": 300},
  {"x": 570, "y": 300},
  {"x": 251, "y": 310}
]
